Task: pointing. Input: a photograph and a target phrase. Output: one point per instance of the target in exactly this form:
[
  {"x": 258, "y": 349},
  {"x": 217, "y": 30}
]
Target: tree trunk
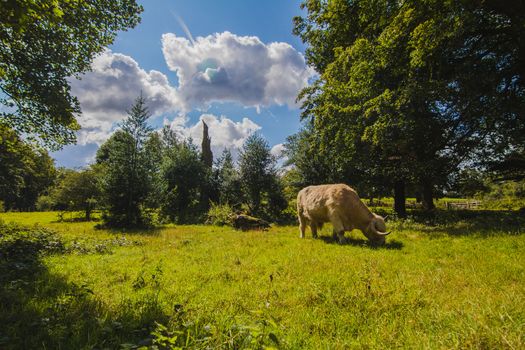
[
  {"x": 88, "y": 214},
  {"x": 400, "y": 198},
  {"x": 428, "y": 195}
]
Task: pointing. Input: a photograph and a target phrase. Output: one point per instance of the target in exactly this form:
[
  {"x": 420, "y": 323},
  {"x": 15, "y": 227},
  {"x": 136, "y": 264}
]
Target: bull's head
[{"x": 376, "y": 230}]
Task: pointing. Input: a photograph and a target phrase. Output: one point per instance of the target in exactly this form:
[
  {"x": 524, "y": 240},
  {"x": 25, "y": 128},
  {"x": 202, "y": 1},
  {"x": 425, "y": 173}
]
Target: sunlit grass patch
[{"x": 430, "y": 287}]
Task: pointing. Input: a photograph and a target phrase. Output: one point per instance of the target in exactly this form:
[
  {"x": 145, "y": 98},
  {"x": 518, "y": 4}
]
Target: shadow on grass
[
  {"x": 469, "y": 222},
  {"x": 390, "y": 245},
  {"x": 40, "y": 309},
  {"x": 76, "y": 216},
  {"x": 73, "y": 220},
  {"x": 141, "y": 230}
]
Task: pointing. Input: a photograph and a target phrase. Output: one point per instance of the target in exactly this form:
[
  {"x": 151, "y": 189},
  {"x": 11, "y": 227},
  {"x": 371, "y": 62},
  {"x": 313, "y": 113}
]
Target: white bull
[{"x": 340, "y": 205}]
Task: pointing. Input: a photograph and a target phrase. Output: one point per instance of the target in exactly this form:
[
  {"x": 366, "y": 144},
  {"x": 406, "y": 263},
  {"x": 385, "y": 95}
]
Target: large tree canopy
[
  {"x": 42, "y": 45},
  {"x": 408, "y": 91}
]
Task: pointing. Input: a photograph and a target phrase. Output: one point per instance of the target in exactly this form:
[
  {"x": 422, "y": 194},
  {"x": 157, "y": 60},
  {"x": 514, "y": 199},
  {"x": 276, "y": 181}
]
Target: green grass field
[{"x": 455, "y": 280}]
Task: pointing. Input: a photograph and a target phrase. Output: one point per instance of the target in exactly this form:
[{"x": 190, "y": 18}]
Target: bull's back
[{"x": 317, "y": 202}]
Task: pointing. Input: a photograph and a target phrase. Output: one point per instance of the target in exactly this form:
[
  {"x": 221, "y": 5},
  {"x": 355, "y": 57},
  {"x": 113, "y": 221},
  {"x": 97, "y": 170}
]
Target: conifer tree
[
  {"x": 127, "y": 180},
  {"x": 206, "y": 155}
]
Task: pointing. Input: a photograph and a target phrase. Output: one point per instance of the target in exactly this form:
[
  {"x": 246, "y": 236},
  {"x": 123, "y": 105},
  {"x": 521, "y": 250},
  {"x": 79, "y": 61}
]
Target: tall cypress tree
[
  {"x": 208, "y": 188},
  {"x": 206, "y": 155}
]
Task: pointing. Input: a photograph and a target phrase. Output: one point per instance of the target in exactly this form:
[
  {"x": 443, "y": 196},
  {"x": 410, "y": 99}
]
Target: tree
[
  {"x": 42, "y": 45},
  {"x": 471, "y": 182},
  {"x": 512, "y": 166},
  {"x": 183, "y": 175},
  {"x": 127, "y": 180},
  {"x": 399, "y": 92},
  {"x": 154, "y": 149},
  {"x": 78, "y": 190},
  {"x": 25, "y": 172},
  {"x": 261, "y": 187},
  {"x": 39, "y": 175},
  {"x": 229, "y": 181},
  {"x": 314, "y": 167},
  {"x": 209, "y": 189},
  {"x": 206, "y": 155}
]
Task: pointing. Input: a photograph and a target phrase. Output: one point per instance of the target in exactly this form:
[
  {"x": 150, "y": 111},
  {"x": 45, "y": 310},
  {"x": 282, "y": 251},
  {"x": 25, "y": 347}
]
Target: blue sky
[{"x": 234, "y": 64}]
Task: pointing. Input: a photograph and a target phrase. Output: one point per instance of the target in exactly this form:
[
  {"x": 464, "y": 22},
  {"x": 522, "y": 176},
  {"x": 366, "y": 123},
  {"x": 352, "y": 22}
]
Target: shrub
[
  {"x": 220, "y": 215},
  {"x": 21, "y": 248},
  {"x": 45, "y": 203}
]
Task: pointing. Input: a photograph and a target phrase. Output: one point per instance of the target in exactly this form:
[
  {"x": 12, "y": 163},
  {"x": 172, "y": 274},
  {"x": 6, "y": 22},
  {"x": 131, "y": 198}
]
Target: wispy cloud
[{"x": 184, "y": 27}]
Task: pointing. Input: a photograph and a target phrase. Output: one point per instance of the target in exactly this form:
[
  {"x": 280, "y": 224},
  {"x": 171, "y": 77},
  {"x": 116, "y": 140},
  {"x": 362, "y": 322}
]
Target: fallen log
[{"x": 245, "y": 222}]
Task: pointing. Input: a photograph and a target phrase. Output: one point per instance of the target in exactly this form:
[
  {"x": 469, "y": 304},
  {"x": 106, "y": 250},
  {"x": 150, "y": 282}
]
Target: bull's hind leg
[
  {"x": 339, "y": 229},
  {"x": 313, "y": 226}
]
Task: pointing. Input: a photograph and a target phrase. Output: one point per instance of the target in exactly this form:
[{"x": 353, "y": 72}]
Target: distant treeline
[{"x": 141, "y": 177}]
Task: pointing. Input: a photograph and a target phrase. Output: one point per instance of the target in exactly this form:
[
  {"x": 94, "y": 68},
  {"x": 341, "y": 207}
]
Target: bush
[
  {"x": 145, "y": 219},
  {"x": 508, "y": 195},
  {"x": 21, "y": 248},
  {"x": 289, "y": 215},
  {"x": 220, "y": 215},
  {"x": 45, "y": 203}
]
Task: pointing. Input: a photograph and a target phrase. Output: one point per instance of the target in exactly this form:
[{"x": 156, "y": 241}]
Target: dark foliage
[
  {"x": 25, "y": 172},
  {"x": 184, "y": 176},
  {"x": 261, "y": 186}
]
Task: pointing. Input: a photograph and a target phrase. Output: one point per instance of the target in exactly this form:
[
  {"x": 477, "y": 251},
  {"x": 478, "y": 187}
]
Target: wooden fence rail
[{"x": 463, "y": 205}]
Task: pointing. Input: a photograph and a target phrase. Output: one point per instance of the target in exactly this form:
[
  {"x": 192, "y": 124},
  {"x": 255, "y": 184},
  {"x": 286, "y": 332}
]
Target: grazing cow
[{"x": 340, "y": 205}]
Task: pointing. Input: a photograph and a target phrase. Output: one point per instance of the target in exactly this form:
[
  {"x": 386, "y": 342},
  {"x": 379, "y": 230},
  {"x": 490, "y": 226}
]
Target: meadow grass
[{"x": 447, "y": 280}]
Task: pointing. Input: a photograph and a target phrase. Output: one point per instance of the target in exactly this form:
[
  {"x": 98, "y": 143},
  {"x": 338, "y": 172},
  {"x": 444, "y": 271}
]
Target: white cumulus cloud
[
  {"x": 224, "y": 132},
  {"x": 277, "y": 150},
  {"x": 109, "y": 90},
  {"x": 224, "y": 67}
]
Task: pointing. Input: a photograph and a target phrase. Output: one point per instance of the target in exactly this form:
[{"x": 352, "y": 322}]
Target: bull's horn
[{"x": 384, "y": 233}]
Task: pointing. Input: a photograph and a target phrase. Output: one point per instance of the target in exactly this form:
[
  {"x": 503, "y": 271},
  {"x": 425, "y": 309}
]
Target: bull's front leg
[{"x": 341, "y": 237}]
